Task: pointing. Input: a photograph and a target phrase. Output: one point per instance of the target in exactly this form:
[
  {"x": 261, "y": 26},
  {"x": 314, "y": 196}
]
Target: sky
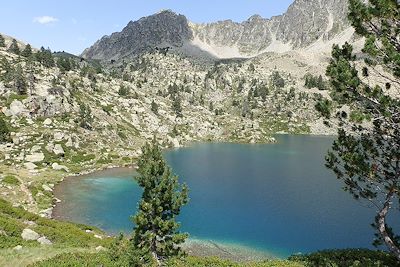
[{"x": 73, "y": 25}]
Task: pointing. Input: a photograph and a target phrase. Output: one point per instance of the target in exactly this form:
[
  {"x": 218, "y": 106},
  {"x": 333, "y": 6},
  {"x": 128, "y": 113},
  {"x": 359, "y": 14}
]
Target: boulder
[
  {"x": 69, "y": 142},
  {"x": 28, "y": 234},
  {"x": 58, "y": 150},
  {"x": 44, "y": 241},
  {"x": 35, "y": 157},
  {"x": 58, "y": 136},
  {"x": 100, "y": 248},
  {"x": 35, "y": 148},
  {"x": 46, "y": 188},
  {"x": 46, "y": 213},
  {"x": 17, "y": 248},
  {"x": 59, "y": 167},
  {"x": 47, "y": 122},
  {"x": 49, "y": 147},
  {"x": 30, "y": 166},
  {"x": 16, "y": 109}
]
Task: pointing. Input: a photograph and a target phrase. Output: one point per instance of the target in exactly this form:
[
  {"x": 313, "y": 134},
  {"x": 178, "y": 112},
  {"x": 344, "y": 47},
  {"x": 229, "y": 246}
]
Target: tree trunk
[{"x": 382, "y": 226}]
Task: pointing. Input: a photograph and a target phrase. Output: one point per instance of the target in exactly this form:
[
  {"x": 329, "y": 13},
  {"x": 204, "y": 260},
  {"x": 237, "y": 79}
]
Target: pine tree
[
  {"x": 4, "y": 131},
  {"x": 154, "y": 107},
  {"x": 176, "y": 106},
  {"x": 156, "y": 231},
  {"x": 368, "y": 160},
  {"x": 277, "y": 80},
  {"x": 27, "y": 52},
  {"x": 85, "y": 117},
  {"x": 14, "y": 48},
  {"x": 45, "y": 57},
  {"x": 64, "y": 64},
  {"x": 2, "y": 41},
  {"x": 20, "y": 81}
]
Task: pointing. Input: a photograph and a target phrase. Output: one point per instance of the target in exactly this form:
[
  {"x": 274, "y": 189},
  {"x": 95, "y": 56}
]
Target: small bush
[
  {"x": 123, "y": 90},
  {"x": 347, "y": 257}
]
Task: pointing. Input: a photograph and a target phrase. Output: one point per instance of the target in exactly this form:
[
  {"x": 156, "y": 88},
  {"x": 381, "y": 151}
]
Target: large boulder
[
  {"x": 58, "y": 150},
  {"x": 28, "y": 234},
  {"x": 16, "y": 109},
  {"x": 30, "y": 166},
  {"x": 59, "y": 167},
  {"x": 35, "y": 157}
]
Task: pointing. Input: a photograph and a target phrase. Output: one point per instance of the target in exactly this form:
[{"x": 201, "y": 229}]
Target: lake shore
[
  {"x": 228, "y": 251},
  {"x": 193, "y": 246}
]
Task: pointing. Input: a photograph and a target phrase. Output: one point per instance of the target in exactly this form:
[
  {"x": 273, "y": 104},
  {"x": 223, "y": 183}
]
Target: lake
[{"x": 272, "y": 197}]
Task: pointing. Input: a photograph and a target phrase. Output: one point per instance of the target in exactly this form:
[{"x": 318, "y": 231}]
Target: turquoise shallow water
[{"x": 276, "y": 197}]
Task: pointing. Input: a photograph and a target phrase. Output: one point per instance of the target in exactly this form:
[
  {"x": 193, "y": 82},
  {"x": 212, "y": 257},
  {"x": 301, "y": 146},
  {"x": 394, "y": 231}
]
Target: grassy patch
[
  {"x": 81, "y": 157},
  {"x": 12, "y": 223},
  {"x": 13, "y": 97},
  {"x": 11, "y": 180}
]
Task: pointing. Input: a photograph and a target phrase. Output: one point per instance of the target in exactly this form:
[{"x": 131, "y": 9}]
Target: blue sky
[{"x": 74, "y": 25}]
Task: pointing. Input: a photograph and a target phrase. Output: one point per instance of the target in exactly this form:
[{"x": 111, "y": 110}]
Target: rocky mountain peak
[
  {"x": 305, "y": 23},
  {"x": 162, "y": 29}
]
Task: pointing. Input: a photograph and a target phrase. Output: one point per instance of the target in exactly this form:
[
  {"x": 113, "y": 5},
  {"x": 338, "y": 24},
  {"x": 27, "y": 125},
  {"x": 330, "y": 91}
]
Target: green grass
[
  {"x": 81, "y": 157},
  {"x": 106, "y": 259},
  {"x": 12, "y": 223},
  {"x": 11, "y": 180},
  {"x": 13, "y": 97},
  {"x": 30, "y": 255}
]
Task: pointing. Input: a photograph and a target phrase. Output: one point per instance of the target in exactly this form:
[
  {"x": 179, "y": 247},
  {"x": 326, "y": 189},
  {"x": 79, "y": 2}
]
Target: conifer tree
[
  {"x": 367, "y": 160},
  {"x": 4, "y": 131},
  {"x": 20, "y": 81},
  {"x": 154, "y": 107},
  {"x": 85, "y": 116},
  {"x": 176, "y": 106},
  {"x": 2, "y": 41},
  {"x": 156, "y": 231},
  {"x": 45, "y": 57},
  {"x": 27, "y": 52},
  {"x": 14, "y": 48}
]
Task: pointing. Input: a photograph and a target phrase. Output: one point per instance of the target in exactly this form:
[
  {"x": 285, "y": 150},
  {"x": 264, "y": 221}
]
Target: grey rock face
[
  {"x": 160, "y": 30},
  {"x": 305, "y": 22}
]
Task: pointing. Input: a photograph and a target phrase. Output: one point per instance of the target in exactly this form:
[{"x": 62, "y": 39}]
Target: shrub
[
  {"x": 123, "y": 90},
  {"x": 324, "y": 107},
  {"x": 347, "y": 257},
  {"x": 277, "y": 80}
]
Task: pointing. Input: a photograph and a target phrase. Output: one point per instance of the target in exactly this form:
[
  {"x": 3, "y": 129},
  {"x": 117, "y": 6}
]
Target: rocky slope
[
  {"x": 70, "y": 121},
  {"x": 304, "y": 23}
]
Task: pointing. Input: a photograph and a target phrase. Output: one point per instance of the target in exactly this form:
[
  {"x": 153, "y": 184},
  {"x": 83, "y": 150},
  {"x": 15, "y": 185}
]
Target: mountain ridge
[{"x": 303, "y": 24}]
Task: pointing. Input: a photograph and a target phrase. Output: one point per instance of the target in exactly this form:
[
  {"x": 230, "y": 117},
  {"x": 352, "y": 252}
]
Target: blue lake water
[{"x": 275, "y": 197}]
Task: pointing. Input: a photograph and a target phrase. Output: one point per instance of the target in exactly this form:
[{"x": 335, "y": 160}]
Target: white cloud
[{"x": 45, "y": 19}]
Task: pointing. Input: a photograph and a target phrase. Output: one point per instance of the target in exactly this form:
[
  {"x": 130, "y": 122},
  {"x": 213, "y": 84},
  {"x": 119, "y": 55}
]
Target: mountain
[{"x": 305, "y": 23}]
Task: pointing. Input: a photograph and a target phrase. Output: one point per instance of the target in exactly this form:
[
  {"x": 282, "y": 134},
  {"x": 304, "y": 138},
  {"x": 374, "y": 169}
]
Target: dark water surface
[{"x": 277, "y": 197}]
